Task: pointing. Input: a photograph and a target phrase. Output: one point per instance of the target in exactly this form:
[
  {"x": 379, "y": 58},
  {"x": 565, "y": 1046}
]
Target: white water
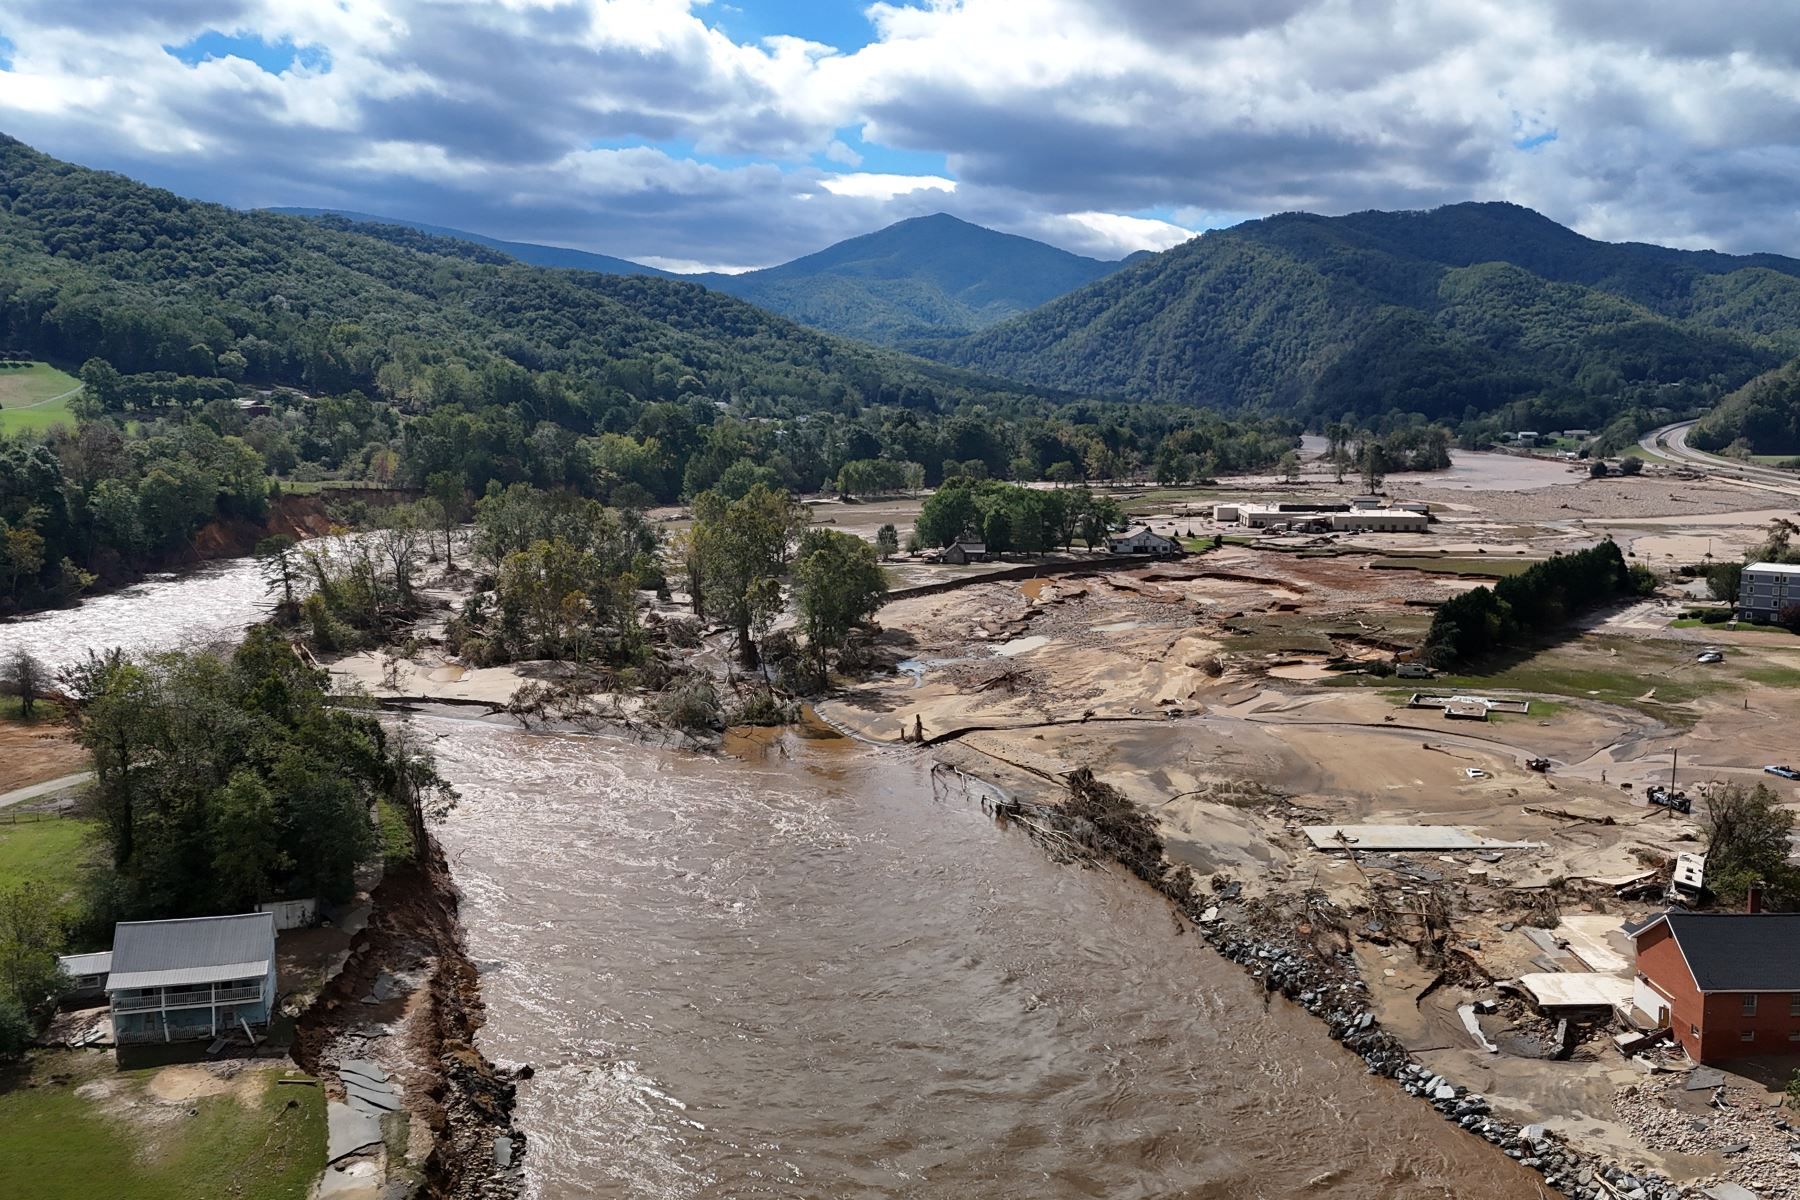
[{"x": 209, "y": 604}]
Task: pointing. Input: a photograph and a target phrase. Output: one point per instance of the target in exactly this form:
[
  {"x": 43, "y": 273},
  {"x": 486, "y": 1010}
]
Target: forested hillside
[
  {"x": 1450, "y": 313},
  {"x": 927, "y": 277},
  {"x": 534, "y": 253},
  {"x": 1762, "y": 417},
  {"x": 224, "y": 352}
]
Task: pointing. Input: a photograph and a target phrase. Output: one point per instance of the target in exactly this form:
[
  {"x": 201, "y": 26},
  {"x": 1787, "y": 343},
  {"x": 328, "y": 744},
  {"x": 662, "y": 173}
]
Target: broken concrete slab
[
  {"x": 1589, "y": 937},
  {"x": 1702, "y": 1079},
  {"x": 350, "y": 1181},
  {"x": 1467, "y": 1013},
  {"x": 1405, "y": 837},
  {"x": 368, "y": 1098},
  {"x": 348, "y": 1130},
  {"x": 365, "y": 1068},
  {"x": 1728, "y": 1191},
  {"x": 1564, "y": 989}
]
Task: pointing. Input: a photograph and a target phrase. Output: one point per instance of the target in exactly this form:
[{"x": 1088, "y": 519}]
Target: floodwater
[
  {"x": 211, "y": 603},
  {"x": 800, "y": 971}
]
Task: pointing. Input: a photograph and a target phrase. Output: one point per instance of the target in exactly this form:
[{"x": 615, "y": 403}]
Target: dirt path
[{"x": 35, "y": 753}]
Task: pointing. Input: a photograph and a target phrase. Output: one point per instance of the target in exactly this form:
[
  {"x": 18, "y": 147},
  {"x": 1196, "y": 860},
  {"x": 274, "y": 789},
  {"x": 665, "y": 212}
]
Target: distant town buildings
[
  {"x": 1766, "y": 589},
  {"x": 1142, "y": 541}
]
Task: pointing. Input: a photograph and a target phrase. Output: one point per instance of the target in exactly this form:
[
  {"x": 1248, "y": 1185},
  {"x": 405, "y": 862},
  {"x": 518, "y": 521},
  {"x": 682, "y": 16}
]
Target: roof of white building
[
  {"x": 1775, "y": 568},
  {"x": 148, "y": 954}
]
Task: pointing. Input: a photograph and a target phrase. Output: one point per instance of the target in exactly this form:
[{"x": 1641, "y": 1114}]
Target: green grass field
[
  {"x": 34, "y": 397},
  {"x": 1494, "y": 567},
  {"x": 51, "y": 853},
  {"x": 57, "y": 1145}
]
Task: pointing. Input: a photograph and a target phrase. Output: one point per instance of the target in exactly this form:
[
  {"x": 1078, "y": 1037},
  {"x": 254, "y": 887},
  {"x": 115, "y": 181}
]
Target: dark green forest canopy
[
  {"x": 418, "y": 357},
  {"x": 1762, "y": 417},
  {"x": 98, "y": 265},
  {"x": 1451, "y": 314}
]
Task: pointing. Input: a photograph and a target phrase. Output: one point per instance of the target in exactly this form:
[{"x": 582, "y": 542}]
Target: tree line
[{"x": 1534, "y": 602}]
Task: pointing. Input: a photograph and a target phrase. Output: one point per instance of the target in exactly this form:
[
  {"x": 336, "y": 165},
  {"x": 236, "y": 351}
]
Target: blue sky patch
[
  {"x": 1535, "y": 140},
  {"x": 7, "y": 50},
  {"x": 838, "y": 23},
  {"x": 273, "y": 57},
  {"x": 883, "y": 160}
]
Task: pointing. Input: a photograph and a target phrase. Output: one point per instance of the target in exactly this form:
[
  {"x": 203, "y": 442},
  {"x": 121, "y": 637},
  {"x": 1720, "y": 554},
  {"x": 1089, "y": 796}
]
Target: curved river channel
[{"x": 794, "y": 970}]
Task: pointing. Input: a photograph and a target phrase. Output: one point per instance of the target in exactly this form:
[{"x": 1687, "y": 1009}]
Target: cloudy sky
[{"x": 731, "y": 134}]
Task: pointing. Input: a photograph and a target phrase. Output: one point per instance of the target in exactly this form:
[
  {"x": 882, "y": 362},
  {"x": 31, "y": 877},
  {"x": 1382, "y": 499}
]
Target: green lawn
[
  {"x": 396, "y": 832},
  {"x": 56, "y": 1145},
  {"x": 1636, "y": 451},
  {"x": 34, "y": 397},
  {"x": 50, "y": 853},
  {"x": 1490, "y": 566}
]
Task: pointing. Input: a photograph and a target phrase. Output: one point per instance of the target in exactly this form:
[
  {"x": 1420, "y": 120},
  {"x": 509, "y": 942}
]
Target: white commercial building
[{"x": 1381, "y": 520}]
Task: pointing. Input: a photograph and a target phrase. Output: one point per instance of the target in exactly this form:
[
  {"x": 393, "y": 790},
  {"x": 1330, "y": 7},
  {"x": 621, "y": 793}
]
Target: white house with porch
[{"x": 197, "y": 978}]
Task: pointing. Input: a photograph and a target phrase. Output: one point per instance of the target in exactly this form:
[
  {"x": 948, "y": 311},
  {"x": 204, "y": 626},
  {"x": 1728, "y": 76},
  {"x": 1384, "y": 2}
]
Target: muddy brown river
[{"x": 796, "y": 971}]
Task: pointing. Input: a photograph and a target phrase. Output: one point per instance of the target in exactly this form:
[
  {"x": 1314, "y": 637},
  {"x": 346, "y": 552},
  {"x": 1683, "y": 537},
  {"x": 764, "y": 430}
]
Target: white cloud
[
  {"x": 868, "y": 186},
  {"x": 1127, "y": 235},
  {"x": 636, "y": 127}
]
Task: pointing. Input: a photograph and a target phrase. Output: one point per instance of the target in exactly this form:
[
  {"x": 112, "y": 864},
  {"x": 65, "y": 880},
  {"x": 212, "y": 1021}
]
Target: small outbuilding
[
  {"x": 87, "y": 974},
  {"x": 1143, "y": 541},
  {"x": 960, "y": 554}
]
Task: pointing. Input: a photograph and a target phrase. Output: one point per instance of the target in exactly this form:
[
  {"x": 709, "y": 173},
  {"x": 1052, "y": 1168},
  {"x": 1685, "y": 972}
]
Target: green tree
[
  {"x": 24, "y": 677},
  {"x": 1747, "y": 834},
  {"x": 244, "y": 835},
  {"x": 280, "y": 564},
  {"x": 1724, "y": 580},
  {"x": 447, "y": 491},
  {"x": 838, "y": 584},
  {"x": 743, "y": 545},
  {"x": 31, "y": 935}
]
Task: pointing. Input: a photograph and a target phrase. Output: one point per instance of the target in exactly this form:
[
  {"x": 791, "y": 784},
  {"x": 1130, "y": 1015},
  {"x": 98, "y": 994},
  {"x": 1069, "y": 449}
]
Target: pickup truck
[{"x": 1783, "y": 772}]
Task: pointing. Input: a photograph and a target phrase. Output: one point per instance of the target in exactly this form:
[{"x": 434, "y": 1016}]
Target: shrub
[{"x": 16, "y": 1031}]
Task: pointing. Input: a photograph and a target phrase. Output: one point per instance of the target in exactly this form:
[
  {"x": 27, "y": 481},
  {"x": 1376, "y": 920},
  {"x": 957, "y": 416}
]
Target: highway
[{"x": 1670, "y": 442}]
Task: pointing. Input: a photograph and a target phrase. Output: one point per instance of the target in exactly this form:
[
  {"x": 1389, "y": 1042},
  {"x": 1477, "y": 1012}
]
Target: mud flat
[{"x": 1176, "y": 684}]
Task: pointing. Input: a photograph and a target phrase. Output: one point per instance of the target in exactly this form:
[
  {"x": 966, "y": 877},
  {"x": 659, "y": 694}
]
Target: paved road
[
  {"x": 1670, "y": 442},
  {"x": 48, "y": 788}
]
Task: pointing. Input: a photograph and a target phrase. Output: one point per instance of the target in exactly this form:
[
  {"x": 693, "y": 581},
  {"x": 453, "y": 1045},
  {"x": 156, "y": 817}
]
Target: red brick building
[{"x": 1727, "y": 984}]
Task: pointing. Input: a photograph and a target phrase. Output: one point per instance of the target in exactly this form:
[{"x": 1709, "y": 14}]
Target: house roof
[
  {"x": 86, "y": 964},
  {"x": 149, "y": 954},
  {"x": 1772, "y": 568},
  {"x": 1737, "y": 952},
  {"x": 979, "y": 547}
]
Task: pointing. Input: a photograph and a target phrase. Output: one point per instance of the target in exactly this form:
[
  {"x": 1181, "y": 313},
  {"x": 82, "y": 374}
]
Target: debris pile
[{"x": 1682, "y": 1113}]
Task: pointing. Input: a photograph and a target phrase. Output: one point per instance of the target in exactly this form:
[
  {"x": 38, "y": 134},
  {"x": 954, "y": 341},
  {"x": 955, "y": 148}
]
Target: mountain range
[
  {"x": 1457, "y": 314},
  {"x": 1457, "y": 310},
  {"x": 926, "y": 277},
  {"x": 99, "y": 265}
]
